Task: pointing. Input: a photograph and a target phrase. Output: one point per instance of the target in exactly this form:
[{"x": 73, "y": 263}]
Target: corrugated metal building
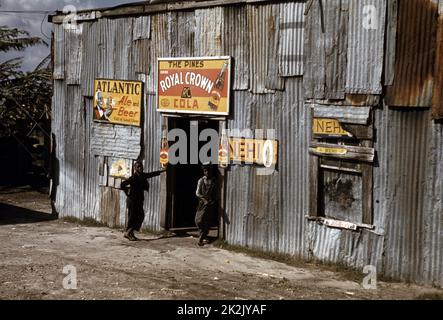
[{"x": 370, "y": 193}]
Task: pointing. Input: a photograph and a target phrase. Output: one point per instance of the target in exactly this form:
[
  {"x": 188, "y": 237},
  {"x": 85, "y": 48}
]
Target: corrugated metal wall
[{"x": 273, "y": 46}]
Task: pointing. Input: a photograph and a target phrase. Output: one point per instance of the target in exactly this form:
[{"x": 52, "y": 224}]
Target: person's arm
[
  {"x": 125, "y": 185},
  {"x": 199, "y": 191},
  {"x": 149, "y": 175}
]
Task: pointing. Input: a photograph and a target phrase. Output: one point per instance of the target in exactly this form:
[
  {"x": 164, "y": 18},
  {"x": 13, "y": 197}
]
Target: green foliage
[{"x": 24, "y": 96}]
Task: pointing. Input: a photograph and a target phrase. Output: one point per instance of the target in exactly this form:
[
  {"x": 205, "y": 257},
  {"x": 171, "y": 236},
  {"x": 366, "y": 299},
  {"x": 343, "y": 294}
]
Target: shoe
[
  {"x": 206, "y": 241},
  {"x": 133, "y": 238},
  {"x": 127, "y": 236},
  {"x": 200, "y": 243}
]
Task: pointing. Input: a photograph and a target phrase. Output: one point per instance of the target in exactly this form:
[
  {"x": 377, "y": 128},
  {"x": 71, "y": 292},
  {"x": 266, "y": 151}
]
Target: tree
[{"x": 25, "y": 97}]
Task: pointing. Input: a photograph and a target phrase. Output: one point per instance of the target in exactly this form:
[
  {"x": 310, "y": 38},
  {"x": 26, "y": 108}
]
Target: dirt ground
[{"x": 35, "y": 247}]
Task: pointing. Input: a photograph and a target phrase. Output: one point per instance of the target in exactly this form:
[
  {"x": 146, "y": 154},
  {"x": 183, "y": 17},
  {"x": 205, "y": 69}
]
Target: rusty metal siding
[
  {"x": 73, "y": 54},
  {"x": 352, "y": 248},
  {"x": 264, "y": 212},
  {"x": 336, "y": 21},
  {"x": 432, "y": 271},
  {"x": 314, "y": 54},
  {"x": 437, "y": 100},
  {"x": 115, "y": 140},
  {"x": 209, "y": 25},
  {"x": 365, "y": 46},
  {"x": 122, "y": 60},
  {"x": 181, "y": 30},
  {"x": 108, "y": 29},
  {"x": 238, "y": 176},
  {"x": 236, "y": 44},
  {"x": 74, "y": 153},
  {"x": 290, "y": 48},
  {"x": 151, "y": 152},
  {"x": 159, "y": 48},
  {"x": 141, "y": 28},
  {"x": 90, "y": 57},
  {"x": 58, "y": 133},
  {"x": 292, "y": 124},
  {"x": 391, "y": 34},
  {"x": 267, "y": 212},
  {"x": 408, "y": 196},
  {"x": 263, "y": 46},
  {"x": 406, "y": 189},
  {"x": 415, "y": 54},
  {"x": 91, "y": 191},
  {"x": 325, "y": 46}
]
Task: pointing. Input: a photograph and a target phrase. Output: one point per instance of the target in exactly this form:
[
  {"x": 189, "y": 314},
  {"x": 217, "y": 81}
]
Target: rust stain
[
  {"x": 437, "y": 102},
  {"x": 415, "y": 54},
  {"x": 361, "y": 100}
]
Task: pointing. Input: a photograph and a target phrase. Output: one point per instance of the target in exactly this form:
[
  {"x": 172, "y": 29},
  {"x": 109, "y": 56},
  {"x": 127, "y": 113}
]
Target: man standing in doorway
[
  {"x": 134, "y": 188},
  {"x": 207, "y": 208}
]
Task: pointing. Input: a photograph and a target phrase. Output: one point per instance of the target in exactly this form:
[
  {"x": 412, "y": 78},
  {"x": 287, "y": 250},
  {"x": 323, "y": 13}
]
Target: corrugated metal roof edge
[{"x": 144, "y": 7}]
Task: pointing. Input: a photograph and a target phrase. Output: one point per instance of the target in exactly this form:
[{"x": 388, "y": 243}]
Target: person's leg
[
  {"x": 132, "y": 235},
  {"x": 127, "y": 233}
]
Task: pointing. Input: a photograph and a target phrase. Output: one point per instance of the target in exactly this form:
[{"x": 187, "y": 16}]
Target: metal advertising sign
[
  {"x": 120, "y": 168},
  {"x": 118, "y": 101},
  {"x": 328, "y": 127},
  {"x": 254, "y": 151},
  {"x": 194, "y": 85}
]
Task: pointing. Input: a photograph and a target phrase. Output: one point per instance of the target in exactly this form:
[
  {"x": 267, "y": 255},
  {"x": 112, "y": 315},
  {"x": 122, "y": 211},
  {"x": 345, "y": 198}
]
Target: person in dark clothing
[
  {"x": 207, "y": 208},
  {"x": 134, "y": 189}
]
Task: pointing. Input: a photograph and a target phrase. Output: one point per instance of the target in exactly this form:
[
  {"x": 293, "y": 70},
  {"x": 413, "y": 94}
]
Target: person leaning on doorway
[{"x": 207, "y": 199}]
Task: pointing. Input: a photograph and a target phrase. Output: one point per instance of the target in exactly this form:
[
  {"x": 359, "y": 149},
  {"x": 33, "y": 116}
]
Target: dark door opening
[{"x": 183, "y": 178}]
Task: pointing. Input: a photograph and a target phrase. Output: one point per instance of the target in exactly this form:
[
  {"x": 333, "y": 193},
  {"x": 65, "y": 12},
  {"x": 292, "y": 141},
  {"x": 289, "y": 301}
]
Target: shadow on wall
[{"x": 54, "y": 173}]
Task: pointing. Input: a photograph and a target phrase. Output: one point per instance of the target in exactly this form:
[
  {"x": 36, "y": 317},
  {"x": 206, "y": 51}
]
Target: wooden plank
[
  {"x": 367, "y": 192},
  {"x": 344, "y": 114},
  {"x": 349, "y": 152},
  {"x": 313, "y": 186}
]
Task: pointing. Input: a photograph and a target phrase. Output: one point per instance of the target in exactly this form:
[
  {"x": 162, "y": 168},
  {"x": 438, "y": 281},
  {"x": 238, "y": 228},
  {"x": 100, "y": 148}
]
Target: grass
[
  {"x": 87, "y": 222},
  {"x": 430, "y": 296},
  {"x": 346, "y": 272}
]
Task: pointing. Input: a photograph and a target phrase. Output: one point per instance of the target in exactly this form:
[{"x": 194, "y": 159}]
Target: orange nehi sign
[
  {"x": 118, "y": 101},
  {"x": 193, "y": 85}
]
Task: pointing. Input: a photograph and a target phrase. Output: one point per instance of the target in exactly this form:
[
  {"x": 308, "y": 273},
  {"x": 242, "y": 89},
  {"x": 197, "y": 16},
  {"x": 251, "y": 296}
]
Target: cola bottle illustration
[
  {"x": 164, "y": 151},
  {"x": 223, "y": 155},
  {"x": 214, "y": 99}
]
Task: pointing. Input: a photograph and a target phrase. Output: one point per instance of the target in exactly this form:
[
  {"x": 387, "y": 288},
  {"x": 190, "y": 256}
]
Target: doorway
[{"x": 183, "y": 177}]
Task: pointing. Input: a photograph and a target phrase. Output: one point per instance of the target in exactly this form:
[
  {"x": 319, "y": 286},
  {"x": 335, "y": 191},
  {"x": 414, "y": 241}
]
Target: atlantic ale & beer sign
[
  {"x": 118, "y": 101},
  {"x": 194, "y": 85}
]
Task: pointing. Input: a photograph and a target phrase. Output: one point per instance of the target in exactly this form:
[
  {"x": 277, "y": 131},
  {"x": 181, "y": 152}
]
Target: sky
[{"x": 37, "y": 25}]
